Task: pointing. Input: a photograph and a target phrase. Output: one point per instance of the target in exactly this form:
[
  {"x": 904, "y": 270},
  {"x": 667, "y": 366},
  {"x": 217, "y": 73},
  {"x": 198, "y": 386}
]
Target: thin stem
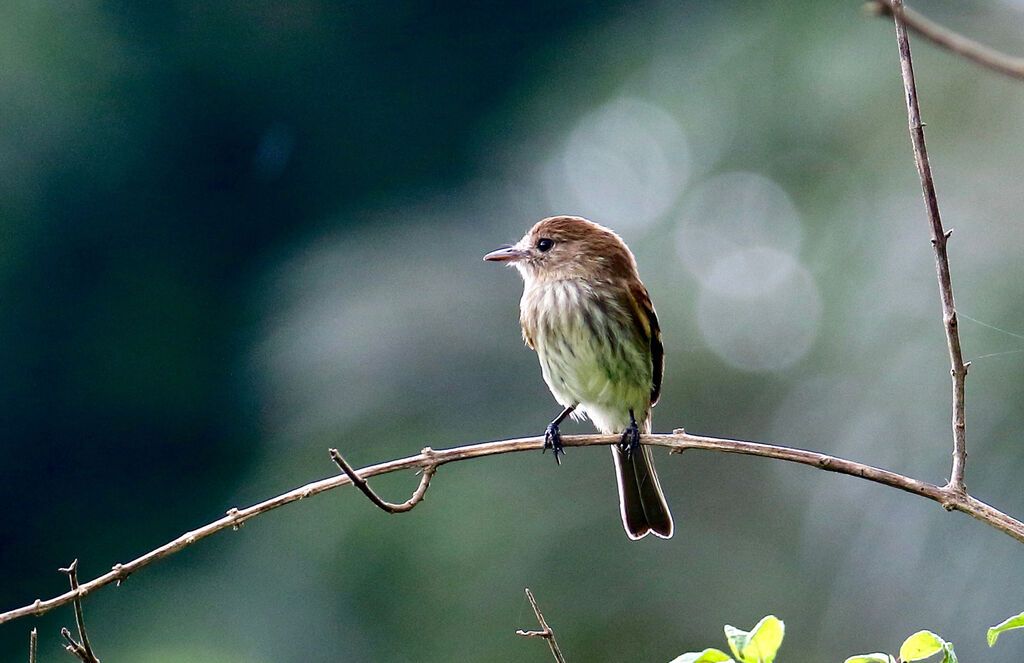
[
  {"x": 81, "y": 649},
  {"x": 951, "y": 500},
  {"x": 545, "y": 631},
  {"x": 958, "y": 369},
  {"x": 33, "y": 645},
  {"x": 954, "y": 42}
]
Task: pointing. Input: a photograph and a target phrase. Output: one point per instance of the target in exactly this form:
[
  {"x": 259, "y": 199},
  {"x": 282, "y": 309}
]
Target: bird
[{"x": 588, "y": 316}]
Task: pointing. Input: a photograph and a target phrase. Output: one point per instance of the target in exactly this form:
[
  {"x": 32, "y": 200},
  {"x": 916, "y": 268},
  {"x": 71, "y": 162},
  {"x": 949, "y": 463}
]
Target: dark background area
[{"x": 234, "y": 234}]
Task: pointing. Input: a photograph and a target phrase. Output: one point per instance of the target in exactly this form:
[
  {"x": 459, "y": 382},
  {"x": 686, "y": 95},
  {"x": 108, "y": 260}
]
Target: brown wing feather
[
  {"x": 649, "y": 323},
  {"x": 527, "y": 336}
]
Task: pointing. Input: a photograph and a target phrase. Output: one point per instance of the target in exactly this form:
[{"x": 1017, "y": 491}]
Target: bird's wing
[
  {"x": 648, "y": 322},
  {"x": 528, "y": 339},
  {"x": 526, "y": 333}
]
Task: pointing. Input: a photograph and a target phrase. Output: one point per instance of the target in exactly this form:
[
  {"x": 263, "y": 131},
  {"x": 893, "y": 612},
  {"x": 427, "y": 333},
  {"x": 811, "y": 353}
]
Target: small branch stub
[
  {"x": 233, "y": 513},
  {"x": 545, "y": 631},
  {"x": 119, "y": 573}
]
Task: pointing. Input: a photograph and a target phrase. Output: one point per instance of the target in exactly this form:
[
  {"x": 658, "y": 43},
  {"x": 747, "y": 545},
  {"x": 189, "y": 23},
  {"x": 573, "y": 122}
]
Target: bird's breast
[{"x": 589, "y": 349}]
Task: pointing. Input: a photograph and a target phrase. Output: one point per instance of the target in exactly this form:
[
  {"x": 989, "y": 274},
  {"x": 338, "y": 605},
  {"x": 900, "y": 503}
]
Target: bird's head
[{"x": 567, "y": 247}]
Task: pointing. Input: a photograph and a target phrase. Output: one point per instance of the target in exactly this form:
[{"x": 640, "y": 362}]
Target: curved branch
[
  {"x": 678, "y": 441},
  {"x": 389, "y": 507},
  {"x": 955, "y": 42}
]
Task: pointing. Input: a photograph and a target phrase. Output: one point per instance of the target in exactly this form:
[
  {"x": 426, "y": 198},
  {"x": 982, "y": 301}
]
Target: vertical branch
[
  {"x": 939, "y": 238},
  {"x": 33, "y": 644},
  {"x": 81, "y": 649}
]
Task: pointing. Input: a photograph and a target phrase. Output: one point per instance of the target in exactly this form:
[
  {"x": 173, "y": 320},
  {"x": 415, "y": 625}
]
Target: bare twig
[
  {"x": 361, "y": 484},
  {"x": 955, "y": 42},
  {"x": 951, "y": 500},
  {"x": 33, "y": 645},
  {"x": 958, "y": 368},
  {"x": 545, "y": 631},
  {"x": 81, "y": 648}
]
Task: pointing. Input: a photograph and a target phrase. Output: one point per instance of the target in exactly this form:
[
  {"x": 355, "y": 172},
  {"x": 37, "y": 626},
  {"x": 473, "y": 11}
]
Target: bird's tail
[{"x": 641, "y": 500}]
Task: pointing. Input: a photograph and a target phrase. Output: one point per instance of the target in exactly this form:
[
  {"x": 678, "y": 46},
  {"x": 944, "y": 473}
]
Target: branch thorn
[
  {"x": 121, "y": 575},
  {"x": 233, "y": 512}
]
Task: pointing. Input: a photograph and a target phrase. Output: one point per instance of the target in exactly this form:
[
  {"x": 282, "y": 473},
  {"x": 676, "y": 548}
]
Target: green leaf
[
  {"x": 765, "y": 640},
  {"x": 870, "y": 658},
  {"x": 921, "y": 645},
  {"x": 760, "y": 644},
  {"x": 737, "y": 640},
  {"x": 1006, "y": 625},
  {"x": 950, "y": 656},
  {"x": 709, "y": 655}
]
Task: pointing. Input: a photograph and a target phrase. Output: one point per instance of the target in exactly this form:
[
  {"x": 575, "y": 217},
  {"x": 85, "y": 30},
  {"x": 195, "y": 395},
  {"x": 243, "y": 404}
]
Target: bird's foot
[
  {"x": 553, "y": 441},
  {"x": 630, "y": 442}
]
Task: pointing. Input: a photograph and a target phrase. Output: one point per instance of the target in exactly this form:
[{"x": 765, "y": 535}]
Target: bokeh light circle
[
  {"x": 624, "y": 165},
  {"x": 758, "y": 309},
  {"x": 733, "y": 211}
]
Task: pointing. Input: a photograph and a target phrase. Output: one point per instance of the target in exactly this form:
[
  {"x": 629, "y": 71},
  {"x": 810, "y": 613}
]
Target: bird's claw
[
  {"x": 553, "y": 441},
  {"x": 630, "y": 442}
]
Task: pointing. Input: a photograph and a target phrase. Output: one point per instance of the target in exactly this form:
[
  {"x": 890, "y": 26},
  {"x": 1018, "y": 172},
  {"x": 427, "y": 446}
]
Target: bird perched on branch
[{"x": 590, "y": 319}]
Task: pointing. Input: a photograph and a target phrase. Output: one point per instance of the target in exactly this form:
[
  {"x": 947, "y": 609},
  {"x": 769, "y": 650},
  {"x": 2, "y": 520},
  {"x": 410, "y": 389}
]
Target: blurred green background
[{"x": 233, "y": 234}]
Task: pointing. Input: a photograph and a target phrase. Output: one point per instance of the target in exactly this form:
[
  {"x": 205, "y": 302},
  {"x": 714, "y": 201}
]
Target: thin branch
[
  {"x": 955, "y": 42},
  {"x": 361, "y": 484},
  {"x": 545, "y": 631},
  {"x": 81, "y": 648},
  {"x": 958, "y": 369},
  {"x": 678, "y": 441},
  {"x": 33, "y": 645}
]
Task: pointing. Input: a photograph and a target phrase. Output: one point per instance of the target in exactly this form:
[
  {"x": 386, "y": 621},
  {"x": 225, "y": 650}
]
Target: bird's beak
[{"x": 506, "y": 254}]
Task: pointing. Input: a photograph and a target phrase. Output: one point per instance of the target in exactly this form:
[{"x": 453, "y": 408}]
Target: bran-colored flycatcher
[{"x": 590, "y": 319}]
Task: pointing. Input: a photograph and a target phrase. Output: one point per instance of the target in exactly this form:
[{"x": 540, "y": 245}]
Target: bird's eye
[{"x": 544, "y": 244}]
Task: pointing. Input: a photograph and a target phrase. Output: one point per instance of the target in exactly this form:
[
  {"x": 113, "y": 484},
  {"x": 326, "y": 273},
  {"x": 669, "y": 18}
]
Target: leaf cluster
[
  {"x": 761, "y": 643},
  {"x": 758, "y": 645}
]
